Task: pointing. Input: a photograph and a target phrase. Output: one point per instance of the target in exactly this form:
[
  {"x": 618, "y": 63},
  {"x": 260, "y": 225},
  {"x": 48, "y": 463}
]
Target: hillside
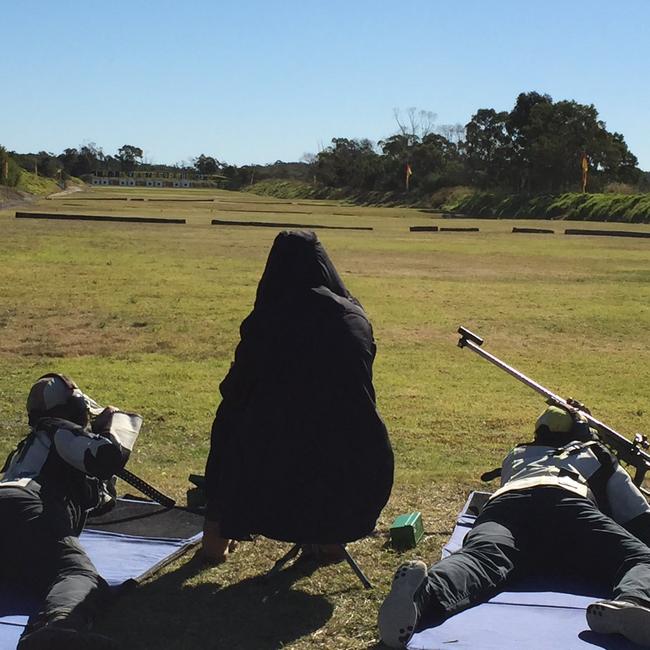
[
  {"x": 461, "y": 200},
  {"x": 31, "y": 187}
]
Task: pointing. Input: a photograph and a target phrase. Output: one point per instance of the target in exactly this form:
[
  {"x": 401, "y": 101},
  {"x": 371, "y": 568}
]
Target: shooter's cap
[
  {"x": 57, "y": 396},
  {"x": 556, "y": 420},
  {"x": 558, "y": 427}
]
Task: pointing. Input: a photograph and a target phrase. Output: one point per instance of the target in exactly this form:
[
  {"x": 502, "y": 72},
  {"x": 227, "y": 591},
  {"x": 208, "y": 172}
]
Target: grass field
[{"x": 146, "y": 316}]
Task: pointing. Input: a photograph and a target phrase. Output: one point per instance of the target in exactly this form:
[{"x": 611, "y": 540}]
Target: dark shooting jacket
[{"x": 298, "y": 449}]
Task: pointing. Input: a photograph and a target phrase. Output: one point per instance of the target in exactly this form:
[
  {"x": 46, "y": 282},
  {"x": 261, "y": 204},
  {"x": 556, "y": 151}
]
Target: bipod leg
[
  {"x": 356, "y": 568},
  {"x": 287, "y": 557}
]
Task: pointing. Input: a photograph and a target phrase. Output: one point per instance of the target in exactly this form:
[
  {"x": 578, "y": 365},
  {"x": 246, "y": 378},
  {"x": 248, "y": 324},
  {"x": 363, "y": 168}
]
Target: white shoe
[
  {"x": 399, "y": 613},
  {"x": 622, "y": 617}
]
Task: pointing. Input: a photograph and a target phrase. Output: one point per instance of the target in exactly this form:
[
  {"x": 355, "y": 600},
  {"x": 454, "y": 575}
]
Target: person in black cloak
[{"x": 298, "y": 450}]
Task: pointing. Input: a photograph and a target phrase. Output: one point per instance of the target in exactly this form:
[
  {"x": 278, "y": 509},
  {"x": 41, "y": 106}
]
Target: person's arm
[
  {"x": 626, "y": 501},
  {"x": 87, "y": 452}
]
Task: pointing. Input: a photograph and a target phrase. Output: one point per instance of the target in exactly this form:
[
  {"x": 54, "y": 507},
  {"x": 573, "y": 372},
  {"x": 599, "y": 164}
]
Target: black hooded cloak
[{"x": 298, "y": 451}]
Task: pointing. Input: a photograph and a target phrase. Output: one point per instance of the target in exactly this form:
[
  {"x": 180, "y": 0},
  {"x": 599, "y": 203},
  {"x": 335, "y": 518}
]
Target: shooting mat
[
  {"x": 127, "y": 545},
  {"x": 535, "y": 620}
]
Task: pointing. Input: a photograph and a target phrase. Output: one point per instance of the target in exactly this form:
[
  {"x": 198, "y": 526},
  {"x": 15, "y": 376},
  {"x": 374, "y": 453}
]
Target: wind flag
[
  {"x": 407, "y": 174},
  {"x": 584, "y": 164}
]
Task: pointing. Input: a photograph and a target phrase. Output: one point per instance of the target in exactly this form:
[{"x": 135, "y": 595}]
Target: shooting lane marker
[
  {"x": 423, "y": 228},
  {"x": 269, "y": 211},
  {"x": 540, "y": 231},
  {"x": 247, "y": 201},
  {"x": 182, "y": 200},
  {"x": 607, "y": 233},
  {"x": 94, "y": 217},
  {"x": 88, "y": 198},
  {"x": 270, "y": 224}
]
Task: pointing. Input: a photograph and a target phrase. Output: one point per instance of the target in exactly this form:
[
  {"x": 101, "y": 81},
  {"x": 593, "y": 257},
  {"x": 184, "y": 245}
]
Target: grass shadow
[{"x": 254, "y": 614}]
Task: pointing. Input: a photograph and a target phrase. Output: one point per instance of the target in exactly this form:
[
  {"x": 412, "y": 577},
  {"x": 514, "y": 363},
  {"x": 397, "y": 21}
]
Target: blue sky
[{"x": 265, "y": 80}]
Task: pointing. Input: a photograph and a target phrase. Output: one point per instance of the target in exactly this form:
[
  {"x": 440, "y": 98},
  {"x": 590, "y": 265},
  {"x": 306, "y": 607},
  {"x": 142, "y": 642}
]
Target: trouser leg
[
  {"x": 38, "y": 557},
  {"x": 76, "y": 592},
  {"x": 472, "y": 574},
  {"x": 490, "y": 554},
  {"x": 594, "y": 544},
  {"x": 549, "y": 531}
]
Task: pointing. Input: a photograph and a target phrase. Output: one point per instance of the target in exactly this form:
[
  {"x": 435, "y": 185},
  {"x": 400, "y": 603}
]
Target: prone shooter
[{"x": 61, "y": 471}]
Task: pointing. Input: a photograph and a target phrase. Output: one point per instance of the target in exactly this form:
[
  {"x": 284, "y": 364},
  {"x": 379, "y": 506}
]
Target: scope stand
[{"x": 296, "y": 548}]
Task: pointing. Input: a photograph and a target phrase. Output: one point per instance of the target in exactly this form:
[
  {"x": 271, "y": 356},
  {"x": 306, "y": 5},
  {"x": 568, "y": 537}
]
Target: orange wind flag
[{"x": 584, "y": 164}]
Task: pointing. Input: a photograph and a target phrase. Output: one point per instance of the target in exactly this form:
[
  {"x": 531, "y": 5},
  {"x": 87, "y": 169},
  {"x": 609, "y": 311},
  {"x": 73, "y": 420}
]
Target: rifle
[
  {"x": 146, "y": 488},
  {"x": 629, "y": 452}
]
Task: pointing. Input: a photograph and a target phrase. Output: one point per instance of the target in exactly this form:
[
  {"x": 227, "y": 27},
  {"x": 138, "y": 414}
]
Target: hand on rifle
[
  {"x": 102, "y": 423},
  {"x": 578, "y": 405}
]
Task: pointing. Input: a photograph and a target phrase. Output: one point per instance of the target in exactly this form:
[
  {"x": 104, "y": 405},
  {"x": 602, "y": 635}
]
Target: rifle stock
[{"x": 629, "y": 452}]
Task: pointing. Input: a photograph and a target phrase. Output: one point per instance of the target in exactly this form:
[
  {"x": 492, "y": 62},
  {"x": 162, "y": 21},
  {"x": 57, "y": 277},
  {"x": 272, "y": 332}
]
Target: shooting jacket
[
  {"x": 585, "y": 468},
  {"x": 298, "y": 450},
  {"x": 66, "y": 463}
]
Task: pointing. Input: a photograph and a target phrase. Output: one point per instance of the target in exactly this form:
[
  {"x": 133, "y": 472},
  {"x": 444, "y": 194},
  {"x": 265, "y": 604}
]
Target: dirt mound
[{"x": 10, "y": 197}]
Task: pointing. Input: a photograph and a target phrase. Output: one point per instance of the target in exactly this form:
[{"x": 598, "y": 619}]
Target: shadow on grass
[{"x": 254, "y": 614}]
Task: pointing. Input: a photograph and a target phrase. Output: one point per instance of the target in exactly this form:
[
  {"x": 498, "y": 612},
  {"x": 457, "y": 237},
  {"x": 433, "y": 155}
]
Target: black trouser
[
  {"x": 41, "y": 557},
  {"x": 539, "y": 532}
]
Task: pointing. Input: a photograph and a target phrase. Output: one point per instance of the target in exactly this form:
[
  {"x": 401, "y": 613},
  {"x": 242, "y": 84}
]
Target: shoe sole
[
  {"x": 630, "y": 620},
  {"x": 398, "y": 614}
]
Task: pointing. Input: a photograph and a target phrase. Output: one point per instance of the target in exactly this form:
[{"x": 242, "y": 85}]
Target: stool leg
[
  {"x": 356, "y": 568},
  {"x": 287, "y": 557}
]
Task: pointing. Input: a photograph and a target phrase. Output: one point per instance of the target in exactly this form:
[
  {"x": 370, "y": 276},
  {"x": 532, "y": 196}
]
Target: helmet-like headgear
[
  {"x": 56, "y": 396},
  {"x": 557, "y": 426}
]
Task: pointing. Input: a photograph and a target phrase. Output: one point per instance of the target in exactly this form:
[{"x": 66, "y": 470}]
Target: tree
[
  {"x": 349, "y": 163},
  {"x": 206, "y": 164},
  {"x": 557, "y": 134},
  {"x": 129, "y": 157},
  {"x": 417, "y": 124},
  {"x": 488, "y": 148},
  {"x": 48, "y": 164},
  {"x": 9, "y": 170}
]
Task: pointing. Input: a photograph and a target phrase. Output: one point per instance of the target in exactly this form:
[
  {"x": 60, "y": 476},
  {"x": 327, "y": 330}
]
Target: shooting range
[
  {"x": 149, "y": 318},
  {"x": 362, "y": 291}
]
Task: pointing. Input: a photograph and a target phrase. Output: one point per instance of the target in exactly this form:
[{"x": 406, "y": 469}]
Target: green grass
[
  {"x": 626, "y": 208},
  {"x": 34, "y": 184},
  {"x": 147, "y": 316}
]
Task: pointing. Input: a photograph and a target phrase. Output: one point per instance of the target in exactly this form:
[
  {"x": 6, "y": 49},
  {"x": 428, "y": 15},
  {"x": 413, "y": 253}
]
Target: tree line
[{"x": 537, "y": 147}]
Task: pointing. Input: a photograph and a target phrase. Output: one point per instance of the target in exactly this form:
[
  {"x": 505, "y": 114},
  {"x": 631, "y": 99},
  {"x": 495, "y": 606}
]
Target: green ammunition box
[{"x": 407, "y": 530}]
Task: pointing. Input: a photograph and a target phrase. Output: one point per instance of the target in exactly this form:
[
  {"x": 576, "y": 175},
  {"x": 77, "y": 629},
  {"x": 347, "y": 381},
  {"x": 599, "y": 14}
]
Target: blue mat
[
  {"x": 119, "y": 558},
  {"x": 512, "y": 620}
]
